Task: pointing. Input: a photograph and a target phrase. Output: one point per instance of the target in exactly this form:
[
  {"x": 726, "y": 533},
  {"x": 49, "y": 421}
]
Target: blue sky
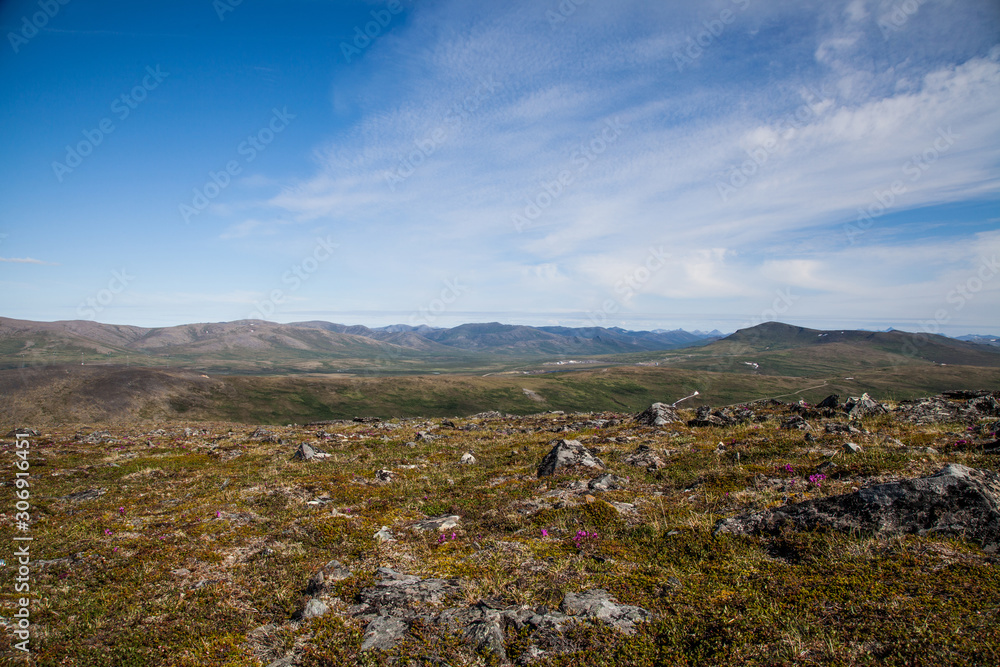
[{"x": 632, "y": 163}]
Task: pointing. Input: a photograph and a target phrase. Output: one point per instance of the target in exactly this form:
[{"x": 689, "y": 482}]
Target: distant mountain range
[
  {"x": 981, "y": 340},
  {"x": 251, "y": 345}
]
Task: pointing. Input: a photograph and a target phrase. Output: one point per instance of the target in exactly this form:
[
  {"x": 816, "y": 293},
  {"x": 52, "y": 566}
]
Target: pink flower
[
  {"x": 107, "y": 531},
  {"x": 545, "y": 533},
  {"x": 218, "y": 514}
]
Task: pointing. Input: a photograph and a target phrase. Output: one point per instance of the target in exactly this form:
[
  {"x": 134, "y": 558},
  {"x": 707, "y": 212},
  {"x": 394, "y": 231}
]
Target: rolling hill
[{"x": 268, "y": 347}]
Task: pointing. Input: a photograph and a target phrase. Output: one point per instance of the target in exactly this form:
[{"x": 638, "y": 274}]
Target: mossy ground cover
[{"x": 200, "y": 546}]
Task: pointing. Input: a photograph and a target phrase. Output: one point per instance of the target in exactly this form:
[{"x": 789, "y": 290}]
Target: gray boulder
[
  {"x": 396, "y": 601},
  {"x": 606, "y": 482},
  {"x": 598, "y": 604},
  {"x": 305, "y": 452},
  {"x": 445, "y": 522},
  {"x": 646, "y": 457},
  {"x": 658, "y": 414},
  {"x": 832, "y": 401},
  {"x": 566, "y": 455},
  {"x": 866, "y": 406},
  {"x": 957, "y": 501},
  {"x": 314, "y": 609}
]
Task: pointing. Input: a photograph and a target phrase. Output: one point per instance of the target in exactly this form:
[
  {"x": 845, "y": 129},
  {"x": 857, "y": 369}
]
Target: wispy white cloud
[
  {"x": 747, "y": 179},
  {"x": 26, "y": 260}
]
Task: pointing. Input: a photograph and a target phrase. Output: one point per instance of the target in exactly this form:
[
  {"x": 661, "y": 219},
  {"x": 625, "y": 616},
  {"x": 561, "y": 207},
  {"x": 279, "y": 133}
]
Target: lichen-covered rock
[
  {"x": 444, "y": 522},
  {"x": 831, "y": 401},
  {"x": 658, "y": 414},
  {"x": 866, "y": 406},
  {"x": 705, "y": 416},
  {"x": 957, "y": 406},
  {"x": 305, "y": 452},
  {"x": 957, "y": 501},
  {"x": 598, "y": 604},
  {"x": 606, "y": 482},
  {"x": 646, "y": 457},
  {"x": 566, "y": 455},
  {"x": 398, "y": 600}
]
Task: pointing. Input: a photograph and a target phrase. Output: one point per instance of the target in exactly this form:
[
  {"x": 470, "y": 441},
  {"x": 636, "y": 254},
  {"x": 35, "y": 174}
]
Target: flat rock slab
[
  {"x": 956, "y": 501},
  {"x": 598, "y": 604},
  {"x": 445, "y": 522},
  {"x": 397, "y": 600}
]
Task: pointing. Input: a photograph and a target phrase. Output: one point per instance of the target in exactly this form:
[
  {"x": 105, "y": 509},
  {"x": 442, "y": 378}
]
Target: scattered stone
[
  {"x": 837, "y": 427},
  {"x": 646, "y": 457},
  {"x": 383, "y": 476},
  {"x": 261, "y": 434},
  {"x": 80, "y": 496},
  {"x": 439, "y": 523},
  {"x": 589, "y": 499},
  {"x": 956, "y": 501},
  {"x": 623, "y": 508},
  {"x": 314, "y": 609},
  {"x": 468, "y": 459},
  {"x": 851, "y": 448},
  {"x": 305, "y": 452},
  {"x": 866, "y": 406},
  {"x": 796, "y": 422},
  {"x": 384, "y": 535},
  {"x": 606, "y": 482},
  {"x": 598, "y": 604},
  {"x": 658, "y": 414},
  {"x": 397, "y": 600},
  {"x": 566, "y": 455},
  {"x": 96, "y": 438},
  {"x": 832, "y": 401},
  {"x": 24, "y": 432},
  {"x": 950, "y": 407},
  {"x": 705, "y": 417}
]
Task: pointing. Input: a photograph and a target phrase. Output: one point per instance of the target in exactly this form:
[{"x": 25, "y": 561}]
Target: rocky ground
[{"x": 851, "y": 532}]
